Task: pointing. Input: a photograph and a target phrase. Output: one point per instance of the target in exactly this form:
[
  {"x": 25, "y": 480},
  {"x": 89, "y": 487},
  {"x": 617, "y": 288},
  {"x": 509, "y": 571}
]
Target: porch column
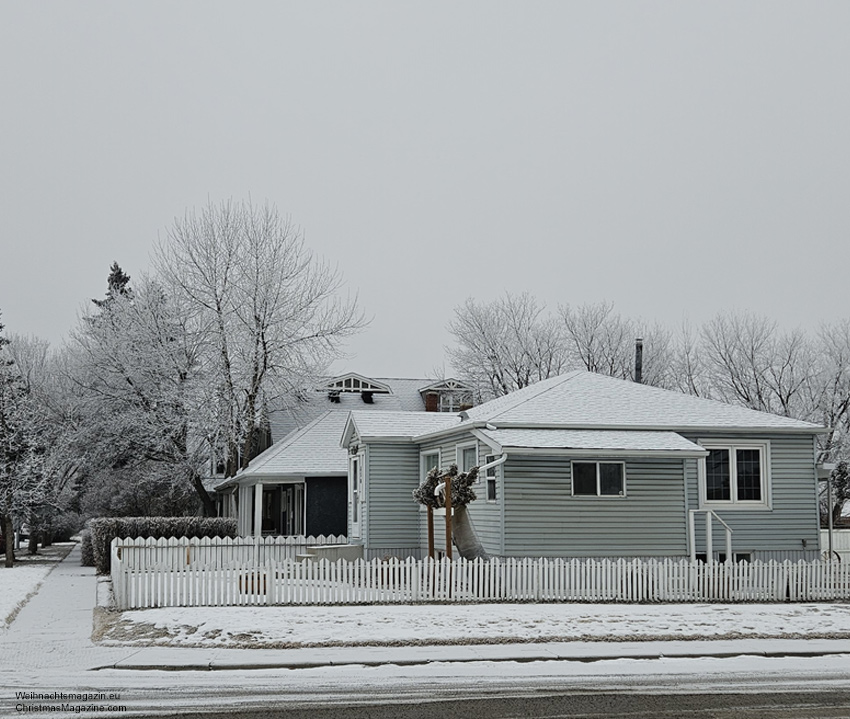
[
  {"x": 244, "y": 513},
  {"x": 258, "y": 509}
]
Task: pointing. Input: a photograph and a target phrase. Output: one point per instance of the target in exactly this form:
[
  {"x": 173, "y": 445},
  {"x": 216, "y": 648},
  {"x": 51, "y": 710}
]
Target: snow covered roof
[
  {"x": 395, "y": 425},
  {"x": 313, "y": 450},
  {"x": 612, "y": 442},
  {"x": 403, "y": 397},
  {"x": 587, "y": 400}
]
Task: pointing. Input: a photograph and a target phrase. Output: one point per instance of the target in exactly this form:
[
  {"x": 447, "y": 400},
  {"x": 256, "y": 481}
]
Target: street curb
[{"x": 225, "y": 666}]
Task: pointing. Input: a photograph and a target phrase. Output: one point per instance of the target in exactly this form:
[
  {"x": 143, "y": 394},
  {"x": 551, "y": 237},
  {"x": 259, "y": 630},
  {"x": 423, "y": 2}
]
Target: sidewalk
[{"x": 53, "y": 631}]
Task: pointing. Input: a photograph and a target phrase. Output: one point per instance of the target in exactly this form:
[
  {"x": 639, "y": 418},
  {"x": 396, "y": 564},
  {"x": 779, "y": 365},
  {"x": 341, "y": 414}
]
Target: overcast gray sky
[{"x": 677, "y": 159}]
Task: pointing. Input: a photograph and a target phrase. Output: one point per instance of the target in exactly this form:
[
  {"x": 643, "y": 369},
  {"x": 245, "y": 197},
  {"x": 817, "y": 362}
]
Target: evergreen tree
[{"x": 117, "y": 284}]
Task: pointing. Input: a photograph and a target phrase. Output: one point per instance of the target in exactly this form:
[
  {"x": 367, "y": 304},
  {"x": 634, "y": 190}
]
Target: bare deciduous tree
[
  {"x": 505, "y": 345},
  {"x": 269, "y": 310},
  {"x": 749, "y": 362}
]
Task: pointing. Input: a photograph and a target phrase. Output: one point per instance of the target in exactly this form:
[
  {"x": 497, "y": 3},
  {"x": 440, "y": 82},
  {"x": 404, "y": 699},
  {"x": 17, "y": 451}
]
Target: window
[
  {"x": 735, "y": 474},
  {"x": 427, "y": 462},
  {"x": 490, "y": 476},
  {"x": 467, "y": 457},
  {"x": 599, "y": 479},
  {"x": 355, "y": 473}
]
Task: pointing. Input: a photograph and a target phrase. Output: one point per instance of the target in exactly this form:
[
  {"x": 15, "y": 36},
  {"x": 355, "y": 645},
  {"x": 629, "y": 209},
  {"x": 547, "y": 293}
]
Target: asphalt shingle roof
[
  {"x": 401, "y": 424},
  {"x": 405, "y": 397},
  {"x": 584, "y": 399}
]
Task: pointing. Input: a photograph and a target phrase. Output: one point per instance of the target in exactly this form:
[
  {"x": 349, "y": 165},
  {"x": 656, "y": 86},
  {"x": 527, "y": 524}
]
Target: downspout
[{"x": 483, "y": 468}]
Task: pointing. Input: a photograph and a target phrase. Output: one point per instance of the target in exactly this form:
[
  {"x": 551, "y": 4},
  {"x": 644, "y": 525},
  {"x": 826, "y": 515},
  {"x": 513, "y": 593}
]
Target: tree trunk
[
  {"x": 9, "y": 534},
  {"x": 464, "y": 535},
  {"x": 206, "y": 500},
  {"x": 32, "y": 544}
]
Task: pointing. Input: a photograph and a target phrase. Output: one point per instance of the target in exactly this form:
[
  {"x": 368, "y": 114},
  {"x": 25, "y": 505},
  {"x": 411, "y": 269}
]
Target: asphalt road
[
  {"x": 782, "y": 705},
  {"x": 708, "y": 688}
]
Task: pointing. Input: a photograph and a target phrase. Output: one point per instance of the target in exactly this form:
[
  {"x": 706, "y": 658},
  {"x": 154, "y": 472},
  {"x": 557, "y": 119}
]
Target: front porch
[{"x": 278, "y": 506}]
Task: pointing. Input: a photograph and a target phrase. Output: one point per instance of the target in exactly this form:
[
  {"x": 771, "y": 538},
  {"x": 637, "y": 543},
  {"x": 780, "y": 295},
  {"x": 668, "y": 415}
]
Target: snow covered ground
[
  {"x": 21, "y": 581},
  {"x": 16, "y": 585},
  {"x": 393, "y": 625}
]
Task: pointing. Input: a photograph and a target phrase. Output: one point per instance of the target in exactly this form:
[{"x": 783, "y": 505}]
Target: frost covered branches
[
  {"x": 24, "y": 485},
  {"x": 141, "y": 385},
  {"x": 462, "y": 492},
  {"x": 505, "y": 345},
  {"x": 512, "y": 342},
  {"x": 268, "y": 309}
]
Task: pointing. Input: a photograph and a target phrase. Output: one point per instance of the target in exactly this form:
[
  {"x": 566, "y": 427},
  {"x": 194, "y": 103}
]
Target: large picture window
[
  {"x": 599, "y": 479},
  {"x": 735, "y": 474}
]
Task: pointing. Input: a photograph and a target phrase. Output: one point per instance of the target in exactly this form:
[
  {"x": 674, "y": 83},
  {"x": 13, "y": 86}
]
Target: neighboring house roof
[
  {"x": 395, "y": 425},
  {"x": 404, "y": 396},
  {"x": 576, "y": 441},
  {"x": 587, "y": 400},
  {"x": 307, "y": 434},
  {"x": 310, "y": 451}
]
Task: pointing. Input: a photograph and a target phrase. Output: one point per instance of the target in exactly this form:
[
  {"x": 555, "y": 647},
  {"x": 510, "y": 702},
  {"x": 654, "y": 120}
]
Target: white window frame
[
  {"x": 423, "y": 472},
  {"x": 733, "y": 503},
  {"x": 598, "y": 494},
  {"x": 422, "y": 455},
  {"x": 459, "y": 448},
  {"x": 491, "y": 476}
]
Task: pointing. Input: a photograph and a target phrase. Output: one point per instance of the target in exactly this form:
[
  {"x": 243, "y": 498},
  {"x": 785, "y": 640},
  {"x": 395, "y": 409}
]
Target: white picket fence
[
  {"x": 213, "y": 552},
  {"x": 496, "y": 580}
]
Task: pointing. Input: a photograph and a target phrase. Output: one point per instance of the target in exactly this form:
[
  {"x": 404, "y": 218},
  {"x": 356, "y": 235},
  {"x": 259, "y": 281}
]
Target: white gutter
[{"x": 806, "y": 428}]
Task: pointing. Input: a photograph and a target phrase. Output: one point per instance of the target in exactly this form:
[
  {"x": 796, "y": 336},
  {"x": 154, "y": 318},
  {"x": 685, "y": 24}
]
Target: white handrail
[{"x": 709, "y": 549}]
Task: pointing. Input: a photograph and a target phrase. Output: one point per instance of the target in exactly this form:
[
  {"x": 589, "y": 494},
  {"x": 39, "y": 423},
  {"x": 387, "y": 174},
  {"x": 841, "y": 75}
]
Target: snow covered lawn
[
  {"x": 287, "y": 627},
  {"x": 21, "y": 581}
]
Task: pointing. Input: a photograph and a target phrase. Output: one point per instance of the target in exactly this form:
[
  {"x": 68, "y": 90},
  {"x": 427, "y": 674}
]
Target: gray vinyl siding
[
  {"x": 392, "y": 515},
  {"x": 775, "y": 533},
  {"x": 486, "y": 516},
  {"x": 542, "y": 518}
]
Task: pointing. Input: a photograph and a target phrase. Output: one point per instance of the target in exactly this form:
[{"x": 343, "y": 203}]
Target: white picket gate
[{"x": 158, "y": 580}]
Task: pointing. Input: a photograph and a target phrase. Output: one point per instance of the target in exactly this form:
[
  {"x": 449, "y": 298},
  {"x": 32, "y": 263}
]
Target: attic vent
[{"x": 367, "y": 397}]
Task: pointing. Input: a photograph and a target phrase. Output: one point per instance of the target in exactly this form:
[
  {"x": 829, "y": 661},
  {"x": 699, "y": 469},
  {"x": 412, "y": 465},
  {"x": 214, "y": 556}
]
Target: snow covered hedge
[
  {"x": 86, "y": 549},
  {"x": 105, "y": 529}
]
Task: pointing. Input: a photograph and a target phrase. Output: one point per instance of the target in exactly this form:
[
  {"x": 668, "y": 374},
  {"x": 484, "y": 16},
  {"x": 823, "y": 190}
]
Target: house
[
  {"x": 299, "y": 485},
  {"x": 593, "y": 466}
]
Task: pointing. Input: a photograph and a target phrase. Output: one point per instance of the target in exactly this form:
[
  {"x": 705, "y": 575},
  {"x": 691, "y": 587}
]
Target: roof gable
[
  {"x": 353, "y": 382},
  {"x": 395, "y": 426}
]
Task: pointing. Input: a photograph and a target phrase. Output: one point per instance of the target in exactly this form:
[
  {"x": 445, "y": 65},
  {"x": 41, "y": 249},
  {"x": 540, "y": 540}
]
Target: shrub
[
  {"x": 65, "y": 526},
  {"x": 105, "y": 529},
  {"x": 86, "y": 549}
]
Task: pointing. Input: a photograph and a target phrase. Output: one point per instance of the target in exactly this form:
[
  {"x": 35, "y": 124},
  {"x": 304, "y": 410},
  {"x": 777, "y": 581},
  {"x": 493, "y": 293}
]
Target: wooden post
[
  {"x": 430, "y": 532},
  {"x": 449, "y": 516}
]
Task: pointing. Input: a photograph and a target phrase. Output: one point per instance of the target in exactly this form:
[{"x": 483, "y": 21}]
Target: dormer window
[
  {"x": 354, "y": 384},
  {"x": 447, "y": 396}
]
